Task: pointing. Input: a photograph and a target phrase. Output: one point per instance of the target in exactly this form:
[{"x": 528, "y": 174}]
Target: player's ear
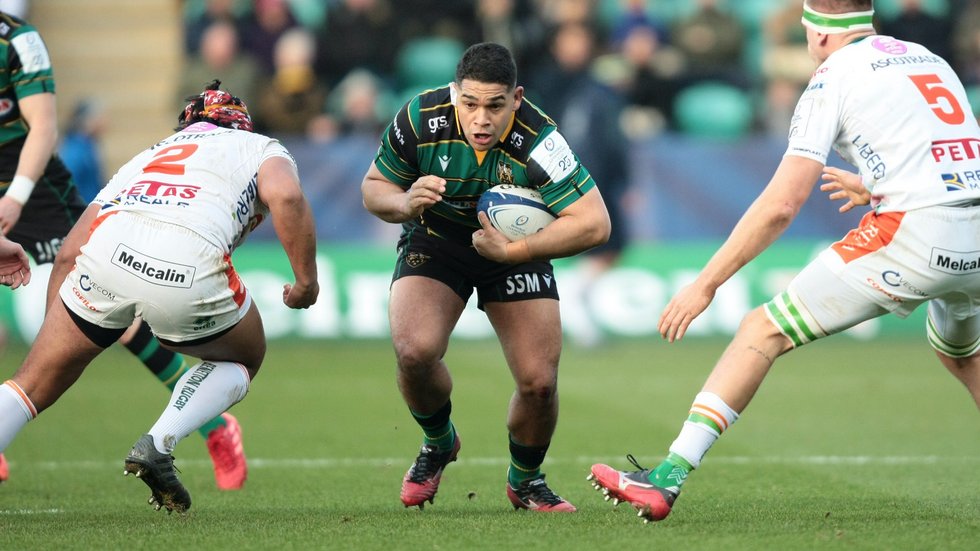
[
  {"x": 453, "y": 93},
  {"x": 518, "y": 97}
]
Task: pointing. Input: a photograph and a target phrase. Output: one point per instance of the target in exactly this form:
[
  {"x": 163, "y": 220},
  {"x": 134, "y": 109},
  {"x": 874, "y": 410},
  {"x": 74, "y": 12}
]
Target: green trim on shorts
[
  {"x": 949, "y": 349},
  {"x": 784, "y": 325}
]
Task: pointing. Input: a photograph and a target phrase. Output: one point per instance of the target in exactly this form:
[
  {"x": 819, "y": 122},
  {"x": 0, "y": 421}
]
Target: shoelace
[
  {"x": 540, "y": 492},
  {"x": 635, "y": 463},
  {"x": 427, "y": 463}
]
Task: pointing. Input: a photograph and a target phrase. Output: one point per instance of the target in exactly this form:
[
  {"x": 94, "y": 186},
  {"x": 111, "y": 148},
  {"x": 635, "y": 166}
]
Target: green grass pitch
[{"x": 848, "y": 445}]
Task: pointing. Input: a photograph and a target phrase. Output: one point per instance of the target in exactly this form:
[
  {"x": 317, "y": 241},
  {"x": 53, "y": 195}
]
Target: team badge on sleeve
[
  {"x": 555, "y": 156},
  {"x": 33, "y": 55}
]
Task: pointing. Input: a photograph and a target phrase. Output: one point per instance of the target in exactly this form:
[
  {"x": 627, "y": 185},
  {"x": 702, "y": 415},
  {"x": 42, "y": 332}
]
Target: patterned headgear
[{"x": 216, "y": 106}]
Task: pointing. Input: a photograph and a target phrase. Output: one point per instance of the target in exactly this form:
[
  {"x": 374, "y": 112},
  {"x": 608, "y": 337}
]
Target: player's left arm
[
  {"x": 38, "y": 111},
  {"x": 764, "y": 221},
  {"x": 842, "y": 184},
  {"x": 292, "y": 220},
  {"x": 580, "y": 226}
]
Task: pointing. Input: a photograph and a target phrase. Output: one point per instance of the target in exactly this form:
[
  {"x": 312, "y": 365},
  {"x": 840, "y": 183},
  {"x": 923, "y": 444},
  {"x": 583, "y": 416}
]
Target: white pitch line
[{"x": 376, "y": 462}]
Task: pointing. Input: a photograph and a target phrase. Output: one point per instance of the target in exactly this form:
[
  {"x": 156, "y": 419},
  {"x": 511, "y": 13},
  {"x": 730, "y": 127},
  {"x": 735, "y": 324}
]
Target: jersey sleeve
[
  {"x": 29, "y": 63},
  {"x": 397, "y": 157},
  {"x": 556, "y": 172},
  {"x": 816, "y": 120},
  {"x": 275, "y": 149}
]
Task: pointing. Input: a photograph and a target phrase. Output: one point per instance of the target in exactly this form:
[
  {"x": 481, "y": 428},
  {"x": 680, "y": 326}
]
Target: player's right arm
[
  {"x": 393, "y": 189},
  {"x": 764, "y": 221},
  {"x": 393, "y": 203}
]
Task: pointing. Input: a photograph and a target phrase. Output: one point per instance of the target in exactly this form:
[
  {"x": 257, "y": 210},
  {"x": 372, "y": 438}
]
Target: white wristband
[{"x": 20, "y": 189}]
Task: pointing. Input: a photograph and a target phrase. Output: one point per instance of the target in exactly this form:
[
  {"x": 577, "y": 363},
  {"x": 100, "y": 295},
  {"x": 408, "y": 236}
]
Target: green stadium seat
[
  {"x": 428, "y": 62},
  {"x": 753, "y": 13},
  {"x": 890, "y": 8},
  {"x": 713, "y": 110}
]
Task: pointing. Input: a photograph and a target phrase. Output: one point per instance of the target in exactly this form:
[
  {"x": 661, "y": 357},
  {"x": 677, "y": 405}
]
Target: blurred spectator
[
  {"x": 294, "y": 97},
  {"x": 80, "y": 149},
  {"x": 711, "y": 42},
  {"x": 915, "y": 24},
  {"x": 588, "y": 114},
  {"x": 514, "y": 24},
  {"x": 786, "y": 67},
  {"x": 634, "y": 12},
  {"x": 435, "y": 18},
  {"x": 645, "y": 71},
  {"x": 966, "y": 45},
  {"x": 195, "y": 24},
  {"x": 261, "y": 29},
  {"x": 220, "y": 58},
  {"x": 558, "y": 12},
  {"x": 357, "y": 33},
  {"x": 360, "y": 105}
]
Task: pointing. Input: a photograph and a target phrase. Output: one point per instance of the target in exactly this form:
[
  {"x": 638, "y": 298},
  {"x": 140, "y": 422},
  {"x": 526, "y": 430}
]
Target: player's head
[
  {"x": 831, "y": 24},
  {"x": 487, "y": 62},
  {"x": 217, "y": 107},
  {"x": 485, "y": 93},
  {"x": 839, "y": 6}
]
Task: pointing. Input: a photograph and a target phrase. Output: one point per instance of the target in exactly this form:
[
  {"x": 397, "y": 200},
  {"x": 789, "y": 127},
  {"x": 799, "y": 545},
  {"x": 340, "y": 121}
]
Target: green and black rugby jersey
[
  {"x": 425, "y": 139},
  {"x": 26, "y": 70}
]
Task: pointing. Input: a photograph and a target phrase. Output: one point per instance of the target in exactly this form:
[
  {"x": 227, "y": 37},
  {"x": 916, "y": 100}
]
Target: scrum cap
[{"x": 218, "y": 107}]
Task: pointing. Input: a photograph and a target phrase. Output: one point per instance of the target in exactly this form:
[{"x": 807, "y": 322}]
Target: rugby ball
[{"x": 515, "y": 211}]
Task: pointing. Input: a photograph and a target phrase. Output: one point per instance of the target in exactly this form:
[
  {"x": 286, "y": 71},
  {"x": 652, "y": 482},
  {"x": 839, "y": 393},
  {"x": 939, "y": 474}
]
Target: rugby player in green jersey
[
  {"x": 443, "y": 149},
  {"x": 39, "y": 204}
]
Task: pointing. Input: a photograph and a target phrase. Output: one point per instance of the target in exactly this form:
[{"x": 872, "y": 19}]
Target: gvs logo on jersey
[{"x": 435, "y": 123}]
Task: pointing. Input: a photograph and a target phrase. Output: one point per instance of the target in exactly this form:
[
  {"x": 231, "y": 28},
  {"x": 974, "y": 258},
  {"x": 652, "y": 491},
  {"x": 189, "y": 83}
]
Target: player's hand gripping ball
[{"x": 515, "y": 211}]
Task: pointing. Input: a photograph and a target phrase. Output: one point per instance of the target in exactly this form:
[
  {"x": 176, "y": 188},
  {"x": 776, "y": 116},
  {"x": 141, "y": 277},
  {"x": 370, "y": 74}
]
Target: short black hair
[
  {"x": 487, "y": 62},
  {"x": 840, "y": 6}
]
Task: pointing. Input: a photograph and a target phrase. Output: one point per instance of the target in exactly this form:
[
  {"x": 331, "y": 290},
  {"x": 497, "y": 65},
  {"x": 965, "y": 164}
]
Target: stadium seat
[
  {"x": 428, "y": 62},
  {"x": 753, "y": 13},
  {"x": 891, "y": 8},
  {"x": 713, "y": 110}
]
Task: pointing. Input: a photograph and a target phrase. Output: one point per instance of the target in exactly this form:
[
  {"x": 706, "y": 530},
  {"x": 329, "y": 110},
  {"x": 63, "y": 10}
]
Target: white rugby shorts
[
  {"x": 892, "y": 262},
  {"x": 183, "y": 286}
]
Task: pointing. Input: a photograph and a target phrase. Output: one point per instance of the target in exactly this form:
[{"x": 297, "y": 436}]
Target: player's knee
[
  {"x": 539, "y": 389},
  {"x": 415, "y": 355},
  {"x": 757, "y": 326}
]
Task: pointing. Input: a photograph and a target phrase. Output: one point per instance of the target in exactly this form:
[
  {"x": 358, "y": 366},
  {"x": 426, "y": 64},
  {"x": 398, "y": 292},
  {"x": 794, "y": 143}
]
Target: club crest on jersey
[
  {"x": 416, "y": 259},
  {"x": 505, "y": 173},
  {"x": 6, "y": 106}
]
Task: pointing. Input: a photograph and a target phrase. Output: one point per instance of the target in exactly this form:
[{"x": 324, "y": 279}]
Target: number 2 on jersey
[
  {"x": 931, "y": 87},
  {"x": 168, "y": 160}
]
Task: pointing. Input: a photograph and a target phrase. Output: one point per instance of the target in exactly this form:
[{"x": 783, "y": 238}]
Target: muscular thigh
[
  {"x": 422, "y": 312},
  {"x": 529, "y": 333}
]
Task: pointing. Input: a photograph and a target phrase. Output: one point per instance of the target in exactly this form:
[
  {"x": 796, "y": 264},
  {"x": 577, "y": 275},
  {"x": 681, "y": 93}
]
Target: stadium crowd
[{"x": 339, "y": 67}]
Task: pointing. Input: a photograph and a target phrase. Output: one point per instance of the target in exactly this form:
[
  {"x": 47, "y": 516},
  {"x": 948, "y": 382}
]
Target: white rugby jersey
[
  {"x": 203, "y": 178},
  {"x": 898, "y": 113}
]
